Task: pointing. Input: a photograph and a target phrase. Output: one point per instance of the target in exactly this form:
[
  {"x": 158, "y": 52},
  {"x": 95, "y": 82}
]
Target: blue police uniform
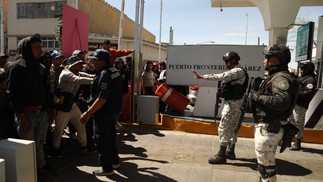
[{"x": 107, "y": 84}]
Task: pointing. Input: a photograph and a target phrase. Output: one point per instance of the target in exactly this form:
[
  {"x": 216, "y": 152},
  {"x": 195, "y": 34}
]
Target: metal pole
[
  {"x": 171, "y": 32},
  {"x": 142, "y": 8},
  {"x": 160, "y": 29},
  {"x": 2, "y": 26},
  {"x": 136, "y": 36},
  {"x": 246, "y": 30},
  {"x": 135, "y": 67},
  {"x": 121, "y": 24}
]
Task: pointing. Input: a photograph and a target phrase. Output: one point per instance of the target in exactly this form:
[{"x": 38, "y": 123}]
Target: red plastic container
[{"x": 173, "y": 98}]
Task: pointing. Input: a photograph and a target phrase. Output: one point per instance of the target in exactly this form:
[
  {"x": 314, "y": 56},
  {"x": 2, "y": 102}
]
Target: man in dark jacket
[
  {"x": 28, "y": 91},
  {"x": 307, "y": 91},
  {"x": 105, "y": 104},
  {"x": 273, "y": 104}
]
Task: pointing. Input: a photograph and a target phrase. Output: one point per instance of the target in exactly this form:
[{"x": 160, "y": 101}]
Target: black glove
[
  {"x": 255, "y": 84},
  {"x": 253, "y": 96}
]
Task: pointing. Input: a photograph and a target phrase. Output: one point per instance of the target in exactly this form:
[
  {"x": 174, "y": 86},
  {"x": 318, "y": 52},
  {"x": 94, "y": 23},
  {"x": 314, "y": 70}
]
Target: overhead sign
[
  {"x": 206, "y": 59},
  {"x": 304, "y": 44}
]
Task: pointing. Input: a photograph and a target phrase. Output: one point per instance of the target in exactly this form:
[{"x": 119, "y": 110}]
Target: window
[
  {"x": 40, "y": 10},
  {"x": 47, "y": 42}
]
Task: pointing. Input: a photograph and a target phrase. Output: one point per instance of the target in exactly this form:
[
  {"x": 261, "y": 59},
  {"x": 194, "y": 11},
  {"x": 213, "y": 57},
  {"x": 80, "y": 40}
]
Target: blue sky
[{"x": 195, "y": 21}]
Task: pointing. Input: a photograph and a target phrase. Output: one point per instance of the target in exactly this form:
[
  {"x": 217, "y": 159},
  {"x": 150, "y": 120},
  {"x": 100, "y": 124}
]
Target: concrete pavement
[{"x": 151, "y": 154}]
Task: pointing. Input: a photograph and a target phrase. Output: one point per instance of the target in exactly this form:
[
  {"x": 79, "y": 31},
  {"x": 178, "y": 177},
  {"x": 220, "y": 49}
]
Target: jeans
[{"x": 37, "y": 133}]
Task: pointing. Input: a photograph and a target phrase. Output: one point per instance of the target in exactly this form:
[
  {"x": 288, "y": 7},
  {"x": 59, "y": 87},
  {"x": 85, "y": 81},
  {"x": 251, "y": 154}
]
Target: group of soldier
[{"x": 278, "y": 104}]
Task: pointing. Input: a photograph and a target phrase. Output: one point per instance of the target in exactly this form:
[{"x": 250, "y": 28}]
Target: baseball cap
[
  {"x": 72, "y": 61},
  {"x": 101, "y": 54},
  {"x": 56, "y": 55},
  {"x": 76, "y": 52}
]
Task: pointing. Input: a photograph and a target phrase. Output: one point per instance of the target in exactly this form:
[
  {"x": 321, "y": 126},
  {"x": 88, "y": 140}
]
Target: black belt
[{"x": 268, "y": 120}]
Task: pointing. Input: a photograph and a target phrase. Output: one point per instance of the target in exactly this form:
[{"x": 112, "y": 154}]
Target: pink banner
[{"x": 75, "y": 30}]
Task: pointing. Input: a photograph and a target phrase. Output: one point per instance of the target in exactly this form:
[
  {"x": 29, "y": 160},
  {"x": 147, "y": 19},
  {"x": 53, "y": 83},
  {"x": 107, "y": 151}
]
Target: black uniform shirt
[
  {"x": 307, "y": 90},
  {"x": 107, "y": 84},
  {"x": 277, "y": 95}
]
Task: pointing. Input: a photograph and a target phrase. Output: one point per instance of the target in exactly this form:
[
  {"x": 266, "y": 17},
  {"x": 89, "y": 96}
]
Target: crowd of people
[
  {"x": 42, "y": 94},
  {"x": 45, "y": 94}
]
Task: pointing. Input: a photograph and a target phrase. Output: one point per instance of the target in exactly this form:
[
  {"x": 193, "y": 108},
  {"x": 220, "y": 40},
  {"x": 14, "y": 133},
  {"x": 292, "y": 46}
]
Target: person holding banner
[{"x": 234, "y": 84}]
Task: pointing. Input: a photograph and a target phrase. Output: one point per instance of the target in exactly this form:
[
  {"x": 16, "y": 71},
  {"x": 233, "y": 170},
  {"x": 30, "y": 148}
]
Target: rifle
[
  {"x": 243, "y": 107},
  {"x": 217, "y": 101}
]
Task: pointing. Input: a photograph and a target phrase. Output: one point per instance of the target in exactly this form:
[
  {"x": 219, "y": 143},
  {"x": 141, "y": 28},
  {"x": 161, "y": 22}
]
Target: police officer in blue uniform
[{"x": 105, "y": 104}]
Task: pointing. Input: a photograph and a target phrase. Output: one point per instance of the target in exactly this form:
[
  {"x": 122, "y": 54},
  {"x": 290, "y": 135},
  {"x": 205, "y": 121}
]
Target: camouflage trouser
[
  {"x": 230, "y": 114},
  {"x": 266, "y": 144},
  {"x": 298, "y": 120}
]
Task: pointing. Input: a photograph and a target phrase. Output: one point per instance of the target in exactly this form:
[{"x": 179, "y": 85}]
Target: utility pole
[
  {"x": 160, "y": 29},
  {"x": 121, "y": 25},
  {"x": 246, "y": 30},
  {"x": 2, "y": 26}
]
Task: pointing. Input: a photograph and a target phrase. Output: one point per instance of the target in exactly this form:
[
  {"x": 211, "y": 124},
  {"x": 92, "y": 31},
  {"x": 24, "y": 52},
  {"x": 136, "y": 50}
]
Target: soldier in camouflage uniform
[
  {"x": 234, "y": 84},
  {"x": 273, "y": 104},
  {"x": 307, "y": 91}
]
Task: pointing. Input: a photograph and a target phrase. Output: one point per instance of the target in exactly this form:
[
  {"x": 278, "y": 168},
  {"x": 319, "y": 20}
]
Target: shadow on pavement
[
  {"x": 282, "y": 167},
  {"x": 288, "y": 168},
  {"x": 73, "y": 165},
  {"x": 312, "y": 150},
  {"x": 131, "y": 172}
]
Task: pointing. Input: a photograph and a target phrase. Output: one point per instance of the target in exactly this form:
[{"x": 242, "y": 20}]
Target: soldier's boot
[
  {"x": 267, "y": 173},
  {"x": 229, "y": 153},
  {"x": 219, "y": 158},
  {"x": 297, "y": 145}
]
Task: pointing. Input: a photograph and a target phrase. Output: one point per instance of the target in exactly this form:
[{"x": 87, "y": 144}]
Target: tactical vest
[
  {"x": 234, "y": 92},
  {"x": 263, "y": 112}
]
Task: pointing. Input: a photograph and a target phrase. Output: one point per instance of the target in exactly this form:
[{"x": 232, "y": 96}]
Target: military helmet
[
  {"x": 309, "y": 67},
  {"x": 231, "y": 55},
  {"x": 281, "y": 51}
]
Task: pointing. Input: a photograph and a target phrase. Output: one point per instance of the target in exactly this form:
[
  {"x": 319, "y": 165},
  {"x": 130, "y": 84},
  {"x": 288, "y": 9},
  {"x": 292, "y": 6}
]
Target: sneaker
[
  {"x": 116, "y": 166},
  {"x": 101, "y": 172}
]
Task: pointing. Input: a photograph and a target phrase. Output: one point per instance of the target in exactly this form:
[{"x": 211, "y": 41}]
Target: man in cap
[
  {"x": 29, "y": 92},
  {"x": 234, "y": 84},
  {"x": 56, "y": 67},
  {"x": 70, "y": 81},
  {"x": 307, "y": 91},
  {"x": 79, "y": 54},
  {"x": 105, "y": 104},
  {"x": 273, "y": 103}
]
